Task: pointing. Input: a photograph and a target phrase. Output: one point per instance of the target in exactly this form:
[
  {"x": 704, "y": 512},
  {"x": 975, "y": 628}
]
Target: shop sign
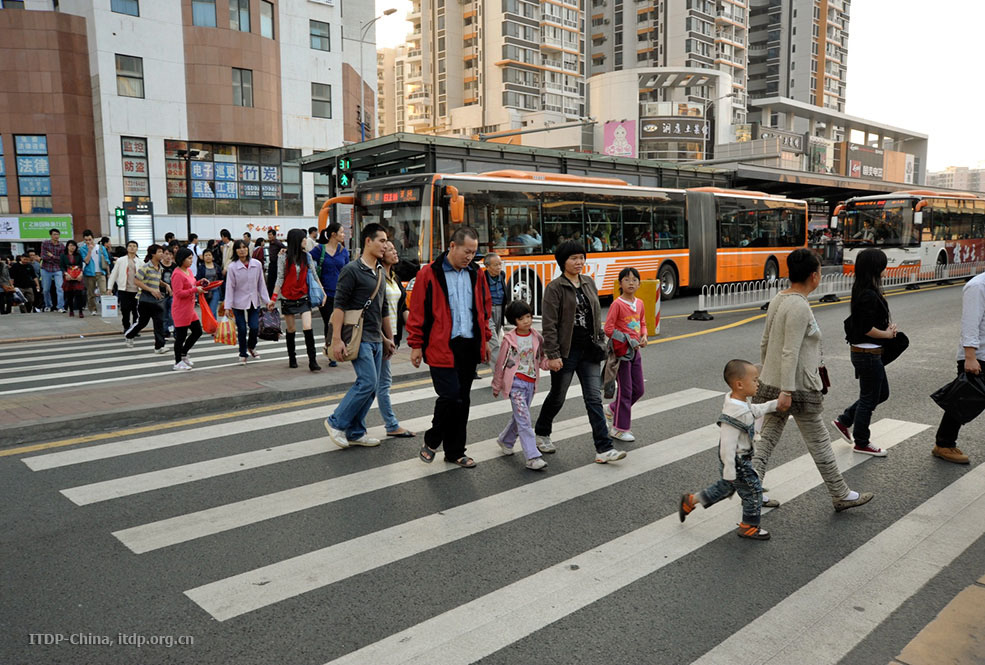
[{"x": 674, "y": 128}]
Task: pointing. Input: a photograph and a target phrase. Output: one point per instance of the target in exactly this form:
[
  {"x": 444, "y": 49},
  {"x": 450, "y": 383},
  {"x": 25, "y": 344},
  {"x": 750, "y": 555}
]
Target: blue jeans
[
  {"x": 168, "y": 321},
  {"x": 590, "y": 378},
  {"x": 350, "y": 414},
  {"x": 746, "y": 485},
  {"x": 213, "y": 300},
  {"x": 383, "y": 397},
  {"x": 873, "y": 390},
  {"x": 247, "y": 318},
  {"x": 46, "y": 278}
]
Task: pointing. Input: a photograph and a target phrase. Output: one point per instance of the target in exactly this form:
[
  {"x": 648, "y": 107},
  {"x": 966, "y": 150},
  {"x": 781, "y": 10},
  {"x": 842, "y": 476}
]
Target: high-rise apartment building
[
  {"x": 706, "y": 34},
  {"x": 958, "y": 177},
  {"x": 799, "y": 49},
  {"x": 477, "y": 67},
  {"x": 391, "y": 64}
]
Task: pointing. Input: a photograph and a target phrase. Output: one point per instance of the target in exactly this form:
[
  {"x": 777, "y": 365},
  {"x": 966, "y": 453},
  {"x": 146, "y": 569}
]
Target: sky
[{"x": 911, "y": 64}]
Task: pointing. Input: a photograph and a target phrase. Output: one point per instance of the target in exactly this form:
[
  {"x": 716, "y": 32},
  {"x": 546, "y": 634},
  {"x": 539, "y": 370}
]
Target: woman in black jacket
[
  {"x": 868, "y": 330},
  {"x": 73, "y": 285}
]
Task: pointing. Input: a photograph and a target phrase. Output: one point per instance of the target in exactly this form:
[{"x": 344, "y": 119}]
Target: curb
[
  {"x": 102, "y": 423},
  {"x": 53, "y": 338}
]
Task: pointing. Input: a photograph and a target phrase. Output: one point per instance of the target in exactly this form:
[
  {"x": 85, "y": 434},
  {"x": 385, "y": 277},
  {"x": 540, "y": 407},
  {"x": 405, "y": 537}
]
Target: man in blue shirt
[{"x": 95, "y": 267}]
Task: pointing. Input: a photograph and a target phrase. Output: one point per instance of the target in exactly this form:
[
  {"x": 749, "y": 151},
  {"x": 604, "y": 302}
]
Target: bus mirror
[
  {"x": 456, "y": 205},
  {"x": 920, "y": 205},
  {"x": 918, "y": 218},
  {"x": 834, "y": 221}
]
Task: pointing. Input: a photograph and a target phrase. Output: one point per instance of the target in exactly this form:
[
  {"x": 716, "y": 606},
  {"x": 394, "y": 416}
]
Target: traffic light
[
  {"x": 343, "y": 173},
  {"x": 121, "y": 217}
]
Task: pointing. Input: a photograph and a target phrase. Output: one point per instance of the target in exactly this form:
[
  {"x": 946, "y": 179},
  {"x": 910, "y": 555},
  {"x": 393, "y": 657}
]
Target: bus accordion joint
[
  {"x": 327, "y": 207},
  {"x": 456, "y": 204},
  {"x": 554, "y": 177}
]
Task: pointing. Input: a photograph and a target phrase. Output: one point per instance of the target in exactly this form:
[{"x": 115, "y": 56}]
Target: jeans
[
  {"x": 247, "y": 318},
  {"x": 148, "y": 311},
  {"x": 326, "y": 314},
  {"x": 212, "y": 297},
  {"x": 383, "y": 397},
  {"x": 350, "y": 414},
  {"x": 6, "y": 302},
  {"x": 873, "y": 389},
  {"x": 947, "y": 431},
  {"x": 520, "y": 427},
  {"x": 590, "y": 378},
  {"x": 128, "y": 307},
  {"x": 746, "y": 485},
  {"x": 451, "y": 410},
  {"x": 168, "y": 321},
  {"x": 630, "y": 382},
  {"x": 47, "y": 276},
  {"x": 181, "y": 346}
]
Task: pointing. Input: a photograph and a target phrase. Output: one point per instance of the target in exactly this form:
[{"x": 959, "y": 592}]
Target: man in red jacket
[{"x": 449, "y": 328}]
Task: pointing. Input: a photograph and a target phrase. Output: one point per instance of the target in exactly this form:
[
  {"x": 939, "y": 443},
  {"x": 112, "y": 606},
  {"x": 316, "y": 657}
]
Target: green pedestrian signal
[
  {"x": 343, "y": 173},
  {"x": 121, "y": 217}
]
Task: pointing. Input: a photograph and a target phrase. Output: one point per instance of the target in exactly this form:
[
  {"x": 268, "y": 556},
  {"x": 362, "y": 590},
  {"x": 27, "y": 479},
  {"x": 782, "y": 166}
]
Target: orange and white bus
[
  {"x": 917, "y": 229},
  {"x": 687, "y": 238}
]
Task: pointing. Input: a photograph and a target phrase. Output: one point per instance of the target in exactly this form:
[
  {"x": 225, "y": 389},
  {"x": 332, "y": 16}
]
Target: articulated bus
[
  {"x": 917, "y": 229},
  {"x": 687, "y": 238}
]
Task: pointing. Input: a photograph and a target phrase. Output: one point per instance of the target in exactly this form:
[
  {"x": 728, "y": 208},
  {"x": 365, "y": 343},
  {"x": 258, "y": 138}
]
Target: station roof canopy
[{"x": 832, "y": 117}]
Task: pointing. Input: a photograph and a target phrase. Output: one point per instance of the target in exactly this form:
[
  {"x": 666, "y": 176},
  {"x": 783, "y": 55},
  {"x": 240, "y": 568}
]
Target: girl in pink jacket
[{"x": 521, "y": 357}]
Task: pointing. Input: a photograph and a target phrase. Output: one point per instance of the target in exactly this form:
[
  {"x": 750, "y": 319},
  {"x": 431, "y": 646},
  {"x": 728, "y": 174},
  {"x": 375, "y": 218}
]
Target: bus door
[{"x": 702, "y": 236}]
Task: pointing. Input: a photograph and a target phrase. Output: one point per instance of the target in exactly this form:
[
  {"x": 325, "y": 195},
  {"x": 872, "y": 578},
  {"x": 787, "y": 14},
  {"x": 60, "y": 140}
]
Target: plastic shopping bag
[
  {"x": 226, "y": 333},
  {"x": 209, "y": 324}
]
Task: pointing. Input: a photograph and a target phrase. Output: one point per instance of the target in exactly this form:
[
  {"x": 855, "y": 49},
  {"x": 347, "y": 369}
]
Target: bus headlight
[
  {"x": 848, "y": 262},
  {"x": 910, "y": 262}
]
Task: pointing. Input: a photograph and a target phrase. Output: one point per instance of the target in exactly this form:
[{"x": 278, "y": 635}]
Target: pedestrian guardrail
[{"x": 716, "y": 297}]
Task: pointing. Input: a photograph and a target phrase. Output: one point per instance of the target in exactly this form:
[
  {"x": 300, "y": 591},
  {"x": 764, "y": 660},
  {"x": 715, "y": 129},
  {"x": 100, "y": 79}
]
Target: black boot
[
  {"x": 309, "y": 345},
  {"x": 292, "y": 359}
]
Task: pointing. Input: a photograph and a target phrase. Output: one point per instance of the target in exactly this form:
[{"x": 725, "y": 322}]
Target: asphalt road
[{"x": 309, "y": 554}]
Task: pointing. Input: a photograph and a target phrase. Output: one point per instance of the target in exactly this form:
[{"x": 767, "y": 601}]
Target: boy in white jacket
[{"x": 737, "y": 423}]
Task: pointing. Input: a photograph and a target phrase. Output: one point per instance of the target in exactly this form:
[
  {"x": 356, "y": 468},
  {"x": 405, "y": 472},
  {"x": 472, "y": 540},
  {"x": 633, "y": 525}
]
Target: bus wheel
[
  {"x": 668, "y": 281},
  {"x": 525, "y": 286},
  {"x": 772, "y": 271},
  {"x": 942, "y": 259}
]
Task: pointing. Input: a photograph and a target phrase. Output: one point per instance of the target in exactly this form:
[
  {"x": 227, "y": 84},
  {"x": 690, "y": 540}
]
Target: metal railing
[{"x": 716, "y": 297}]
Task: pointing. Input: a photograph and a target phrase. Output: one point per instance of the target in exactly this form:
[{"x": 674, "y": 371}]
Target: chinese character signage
[
  {"x": 202, "y": 171},
  {"x": 225, "y": 190},
  {"x": 202, "y": 189},
  {"x": 270, "y": 191},
  {"x": 674, "y": 128},
  {"x": 134, "y": 147},
  {"x": 174, "y": 168},
  {"x": 789, "y": 141},
  {"x": 225, "y": 171},
  {"x": 3, "y": 186},
  {"x": 135, "y": 166},
  {"x": 619, "y": 139},
  {"x": 33, "y": 227},
  {"x": 249, "y": 190},
  {"x": 35, "y": 186},
  {"x": 31, "y": 145},
  {"x": 136, "y": 187},
  {"x": 269, "y": 174},
  {"x": 864, "y": 162},
  {"x": 249, "y": 172},
  {"x": 176, "y": 188},
  {"x": 32, "y": 166}
]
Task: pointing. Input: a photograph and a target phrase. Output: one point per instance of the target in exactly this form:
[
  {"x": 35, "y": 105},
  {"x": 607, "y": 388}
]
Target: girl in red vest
[{"x": 293, "y": 265}]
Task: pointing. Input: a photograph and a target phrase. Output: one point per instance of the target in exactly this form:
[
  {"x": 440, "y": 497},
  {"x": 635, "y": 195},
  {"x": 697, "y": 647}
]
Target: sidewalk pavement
[{"x": 955, "y": 637}]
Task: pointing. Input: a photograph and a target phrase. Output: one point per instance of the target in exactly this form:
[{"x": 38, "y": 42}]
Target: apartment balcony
[
  {"x": 414, "y": 54},
  {"x": 414, "y": 75},
  {"x": 729, "y": 18},
  {"x": 420, "y": 97},
  {"x": 550, "y": 43},
  {"x": 419, "y": 118},
  {"x": 414, "y": 15}
]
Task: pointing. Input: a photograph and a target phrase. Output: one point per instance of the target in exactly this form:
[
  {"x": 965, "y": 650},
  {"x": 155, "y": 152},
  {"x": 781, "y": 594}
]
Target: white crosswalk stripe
[{"x": 810, "y": 625}]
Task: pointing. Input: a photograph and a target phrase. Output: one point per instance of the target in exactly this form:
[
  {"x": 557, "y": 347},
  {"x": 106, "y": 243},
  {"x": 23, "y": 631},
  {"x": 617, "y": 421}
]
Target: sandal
[
  {"x": 401, "y": 434},
  {"x": 465, "y": 462},
  {"x": 427, "y": 454}
]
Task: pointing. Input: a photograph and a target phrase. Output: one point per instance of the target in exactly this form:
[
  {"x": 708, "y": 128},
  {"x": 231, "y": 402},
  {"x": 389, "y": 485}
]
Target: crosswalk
[{"x": 602, "y": 531}]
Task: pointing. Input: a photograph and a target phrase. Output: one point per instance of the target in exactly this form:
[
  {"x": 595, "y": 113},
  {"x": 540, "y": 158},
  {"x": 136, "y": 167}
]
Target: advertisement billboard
[
  {"x": 674, "y": 128},
  {"x": 34, "y": 227},
  {"x": 820, "y": 155},
  {"x": 864, "y": 162},
  {"x": 790, "y": 141},
  {"x": 619, "y": 138}
]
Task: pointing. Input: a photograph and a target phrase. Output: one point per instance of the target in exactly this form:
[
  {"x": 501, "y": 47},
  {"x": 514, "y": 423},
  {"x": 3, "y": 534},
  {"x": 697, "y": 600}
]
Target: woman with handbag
[
  {"x": 184, "y": 288},
  {"x": 208, "y": 270},
  {"x": 330, "y": 256},
  {"x": 791, "y": 355},
  {"x": 870, "y": 334},
  {"x": 246, "y": 293},
  {"x": 294, "y": 267},
  {"x": 73, "y": 286}
]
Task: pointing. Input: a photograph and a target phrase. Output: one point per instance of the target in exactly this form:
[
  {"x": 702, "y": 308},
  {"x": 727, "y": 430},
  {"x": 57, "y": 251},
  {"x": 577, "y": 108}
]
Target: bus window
[
  {"x": 562, "y": 220},
  {"x": 636, "y": 230},
  {"x": 603, "y": 227},
  {"x": 669, "y": 227},
  {"x": 733, "y": 229},
  {"x": 507, "y": 224}
]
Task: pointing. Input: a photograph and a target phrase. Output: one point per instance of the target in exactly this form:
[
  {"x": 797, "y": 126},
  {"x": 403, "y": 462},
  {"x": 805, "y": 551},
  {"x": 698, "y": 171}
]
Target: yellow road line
[{"x": 143, "y": 429}]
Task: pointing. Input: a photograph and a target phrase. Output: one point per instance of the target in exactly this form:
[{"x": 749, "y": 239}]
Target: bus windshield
[
  {"x": 883, "y": 222},
  {"x": 401, "y": 210}
]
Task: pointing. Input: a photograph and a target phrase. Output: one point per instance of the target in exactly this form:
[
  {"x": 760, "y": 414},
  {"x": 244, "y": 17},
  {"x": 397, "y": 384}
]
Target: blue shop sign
[
  {"x": 202, "y": 171},
  {"x": 202, "y": 189},
  {"x": 35, "y": 186},
  {"x": 225, "y": 172},
  {"x": 31, "y": 145},
  {"x": 32, "y": 166},
  {"x": 225, "y": 190}
]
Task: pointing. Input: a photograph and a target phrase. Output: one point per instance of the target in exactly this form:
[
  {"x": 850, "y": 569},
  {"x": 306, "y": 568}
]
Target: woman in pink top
[
  {"x": 626, "y": 316},
  {"x": 184, "y": 289}
]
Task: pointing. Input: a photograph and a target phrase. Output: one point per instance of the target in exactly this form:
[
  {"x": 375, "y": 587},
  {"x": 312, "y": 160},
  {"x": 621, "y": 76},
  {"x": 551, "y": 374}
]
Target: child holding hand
[
  {"x": 626, "y": 325},
  {"x": 521, "y": 357},
  {"x": 737, "y": 423}
]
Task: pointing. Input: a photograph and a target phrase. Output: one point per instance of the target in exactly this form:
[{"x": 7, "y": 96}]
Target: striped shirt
[{"x": 151, "y": 278}]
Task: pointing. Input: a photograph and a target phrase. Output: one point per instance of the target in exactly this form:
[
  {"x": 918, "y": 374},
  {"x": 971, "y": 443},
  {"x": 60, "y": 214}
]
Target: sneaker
[
  {"x": 620, "y": 435},
  {"x": 608, "y": 413},
  {"x": 869, "y": 449},
  {"x": 845, "y": 504},
  {"x": 545, "y": 445},
  {"x": 950, "y": 454},
  {"x": 187, "y": 361},
  {"x": 612, "y": 455},
  {"x": 752, "y": 532},
  {"x": 46, "y": 309},
  {"x": 128, "y": 342},
  {"x": 770, "y": 503},
  {"x": 505, "y": 447},
  {"x": 337, "y": 436},
  {"x": 61, "y": 310},
  {"x": 536, "y": 464},
  {"x": 365, "y": 440},
  {"x": 254, "y": 354},
  {"x": 844, "y": 431},
  {"x": 686, "y": 505},
  {"x": 181, "y": 364},
  {"x": 161, "y": 351}
]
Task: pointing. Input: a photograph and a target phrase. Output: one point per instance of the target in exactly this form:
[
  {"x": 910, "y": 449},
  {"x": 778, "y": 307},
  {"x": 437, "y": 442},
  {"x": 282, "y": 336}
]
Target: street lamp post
[
  {"x": 188, "y": 156},
  {"x": 362, "y": 80},
  {"x": 710, "y": 102}
]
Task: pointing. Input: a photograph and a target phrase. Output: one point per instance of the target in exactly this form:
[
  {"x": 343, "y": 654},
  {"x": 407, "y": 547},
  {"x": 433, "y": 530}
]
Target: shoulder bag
[{"x": 352, "y": 326}]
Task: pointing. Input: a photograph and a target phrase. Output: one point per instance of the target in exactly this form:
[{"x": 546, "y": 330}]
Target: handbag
[
  {"x": 963, "y": 399},
  {"x": 269, "y": 325},
  {"x": 73, "y": 274},
  {"x": 316, "y": 292},
  {"x": 352, "y": 326},
  {"x": 893, "y": 348},
  {"x": 209, "y": 324},
  {"x": 19, "y": 298},
  {"x": 822, "y": 371},
  {"x": 226, "y": 333}
]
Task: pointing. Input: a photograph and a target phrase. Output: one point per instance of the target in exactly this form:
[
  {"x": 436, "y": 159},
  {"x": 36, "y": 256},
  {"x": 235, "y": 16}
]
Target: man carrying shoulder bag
[{"x": 358, "y": 281}]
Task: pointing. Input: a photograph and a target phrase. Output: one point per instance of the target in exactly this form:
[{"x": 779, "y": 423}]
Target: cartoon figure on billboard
[{"x": 620, "y": 139}]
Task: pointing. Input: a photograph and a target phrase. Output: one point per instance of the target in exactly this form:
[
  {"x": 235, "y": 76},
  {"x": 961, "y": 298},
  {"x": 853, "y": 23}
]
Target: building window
[
  {"x": 321, "y": 39},
  {"x": 203, "y": 13},
  {"x": 17, "y": 4},
  {"x": 129, "y": 76},
  {"x": 33, "y": 173},
  {"x": 321, "y": 100},
  {"x": 242, "y": 87},
  {"x": 239, "y": 15},
  {"x": 131, "y": 7},
  {"x": 266, "y": 19}
]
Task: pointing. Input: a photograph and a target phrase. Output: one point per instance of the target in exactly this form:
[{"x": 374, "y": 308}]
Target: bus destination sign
[{"x": 387, "y": 196}]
